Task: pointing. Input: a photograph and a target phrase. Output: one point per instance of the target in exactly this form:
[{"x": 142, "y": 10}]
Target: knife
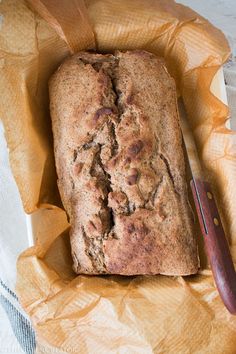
[{"x": 216, "y": 245}]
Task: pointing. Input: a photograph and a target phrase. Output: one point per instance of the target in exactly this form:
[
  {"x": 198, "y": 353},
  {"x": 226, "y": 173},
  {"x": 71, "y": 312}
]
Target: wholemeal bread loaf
[{"x": 120, "y": 165}]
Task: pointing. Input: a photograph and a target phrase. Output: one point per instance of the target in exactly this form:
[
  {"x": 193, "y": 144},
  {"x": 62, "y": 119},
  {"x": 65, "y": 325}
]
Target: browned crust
[{"x": 120, "y": 165}]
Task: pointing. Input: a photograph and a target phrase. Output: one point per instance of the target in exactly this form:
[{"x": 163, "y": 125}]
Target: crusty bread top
[{"x": 120, "y": 165}]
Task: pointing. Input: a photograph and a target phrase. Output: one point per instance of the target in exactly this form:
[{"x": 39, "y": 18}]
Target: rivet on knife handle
[{"x": 216, "y": 244}]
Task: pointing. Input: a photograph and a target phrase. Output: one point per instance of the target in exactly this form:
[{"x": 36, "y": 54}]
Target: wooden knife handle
[{"x": 217, "y": 248}]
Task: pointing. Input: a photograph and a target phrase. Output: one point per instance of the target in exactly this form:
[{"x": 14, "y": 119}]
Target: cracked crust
[{"x": 120, "y": 165}]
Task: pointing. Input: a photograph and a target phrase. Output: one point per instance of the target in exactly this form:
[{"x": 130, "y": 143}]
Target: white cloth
[
  {"x": 16, "y": 335},
  {"x": 13, "y": 230}
]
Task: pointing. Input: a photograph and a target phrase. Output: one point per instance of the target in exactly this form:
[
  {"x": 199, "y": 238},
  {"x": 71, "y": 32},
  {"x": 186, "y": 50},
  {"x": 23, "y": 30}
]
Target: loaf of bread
[{"x": 120, "y": 165}]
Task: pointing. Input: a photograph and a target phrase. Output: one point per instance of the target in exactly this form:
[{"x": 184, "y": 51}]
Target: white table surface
[{"x": 13, "y": 231}]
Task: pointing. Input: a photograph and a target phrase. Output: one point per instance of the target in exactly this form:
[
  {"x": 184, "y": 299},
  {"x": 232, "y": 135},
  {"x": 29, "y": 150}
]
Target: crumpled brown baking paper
[{"x": 111, "y": 314}]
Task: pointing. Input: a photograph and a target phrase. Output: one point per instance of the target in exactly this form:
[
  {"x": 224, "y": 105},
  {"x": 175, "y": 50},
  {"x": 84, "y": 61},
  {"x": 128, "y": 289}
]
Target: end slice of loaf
[{"x": 120, "y": 165}]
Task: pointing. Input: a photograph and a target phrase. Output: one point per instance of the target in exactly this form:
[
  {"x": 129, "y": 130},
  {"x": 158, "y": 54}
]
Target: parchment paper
[{"x": 82, "y": 314}]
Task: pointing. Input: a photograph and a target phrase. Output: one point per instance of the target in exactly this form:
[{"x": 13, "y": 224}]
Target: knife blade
[{"x": 216, "y": 245}]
